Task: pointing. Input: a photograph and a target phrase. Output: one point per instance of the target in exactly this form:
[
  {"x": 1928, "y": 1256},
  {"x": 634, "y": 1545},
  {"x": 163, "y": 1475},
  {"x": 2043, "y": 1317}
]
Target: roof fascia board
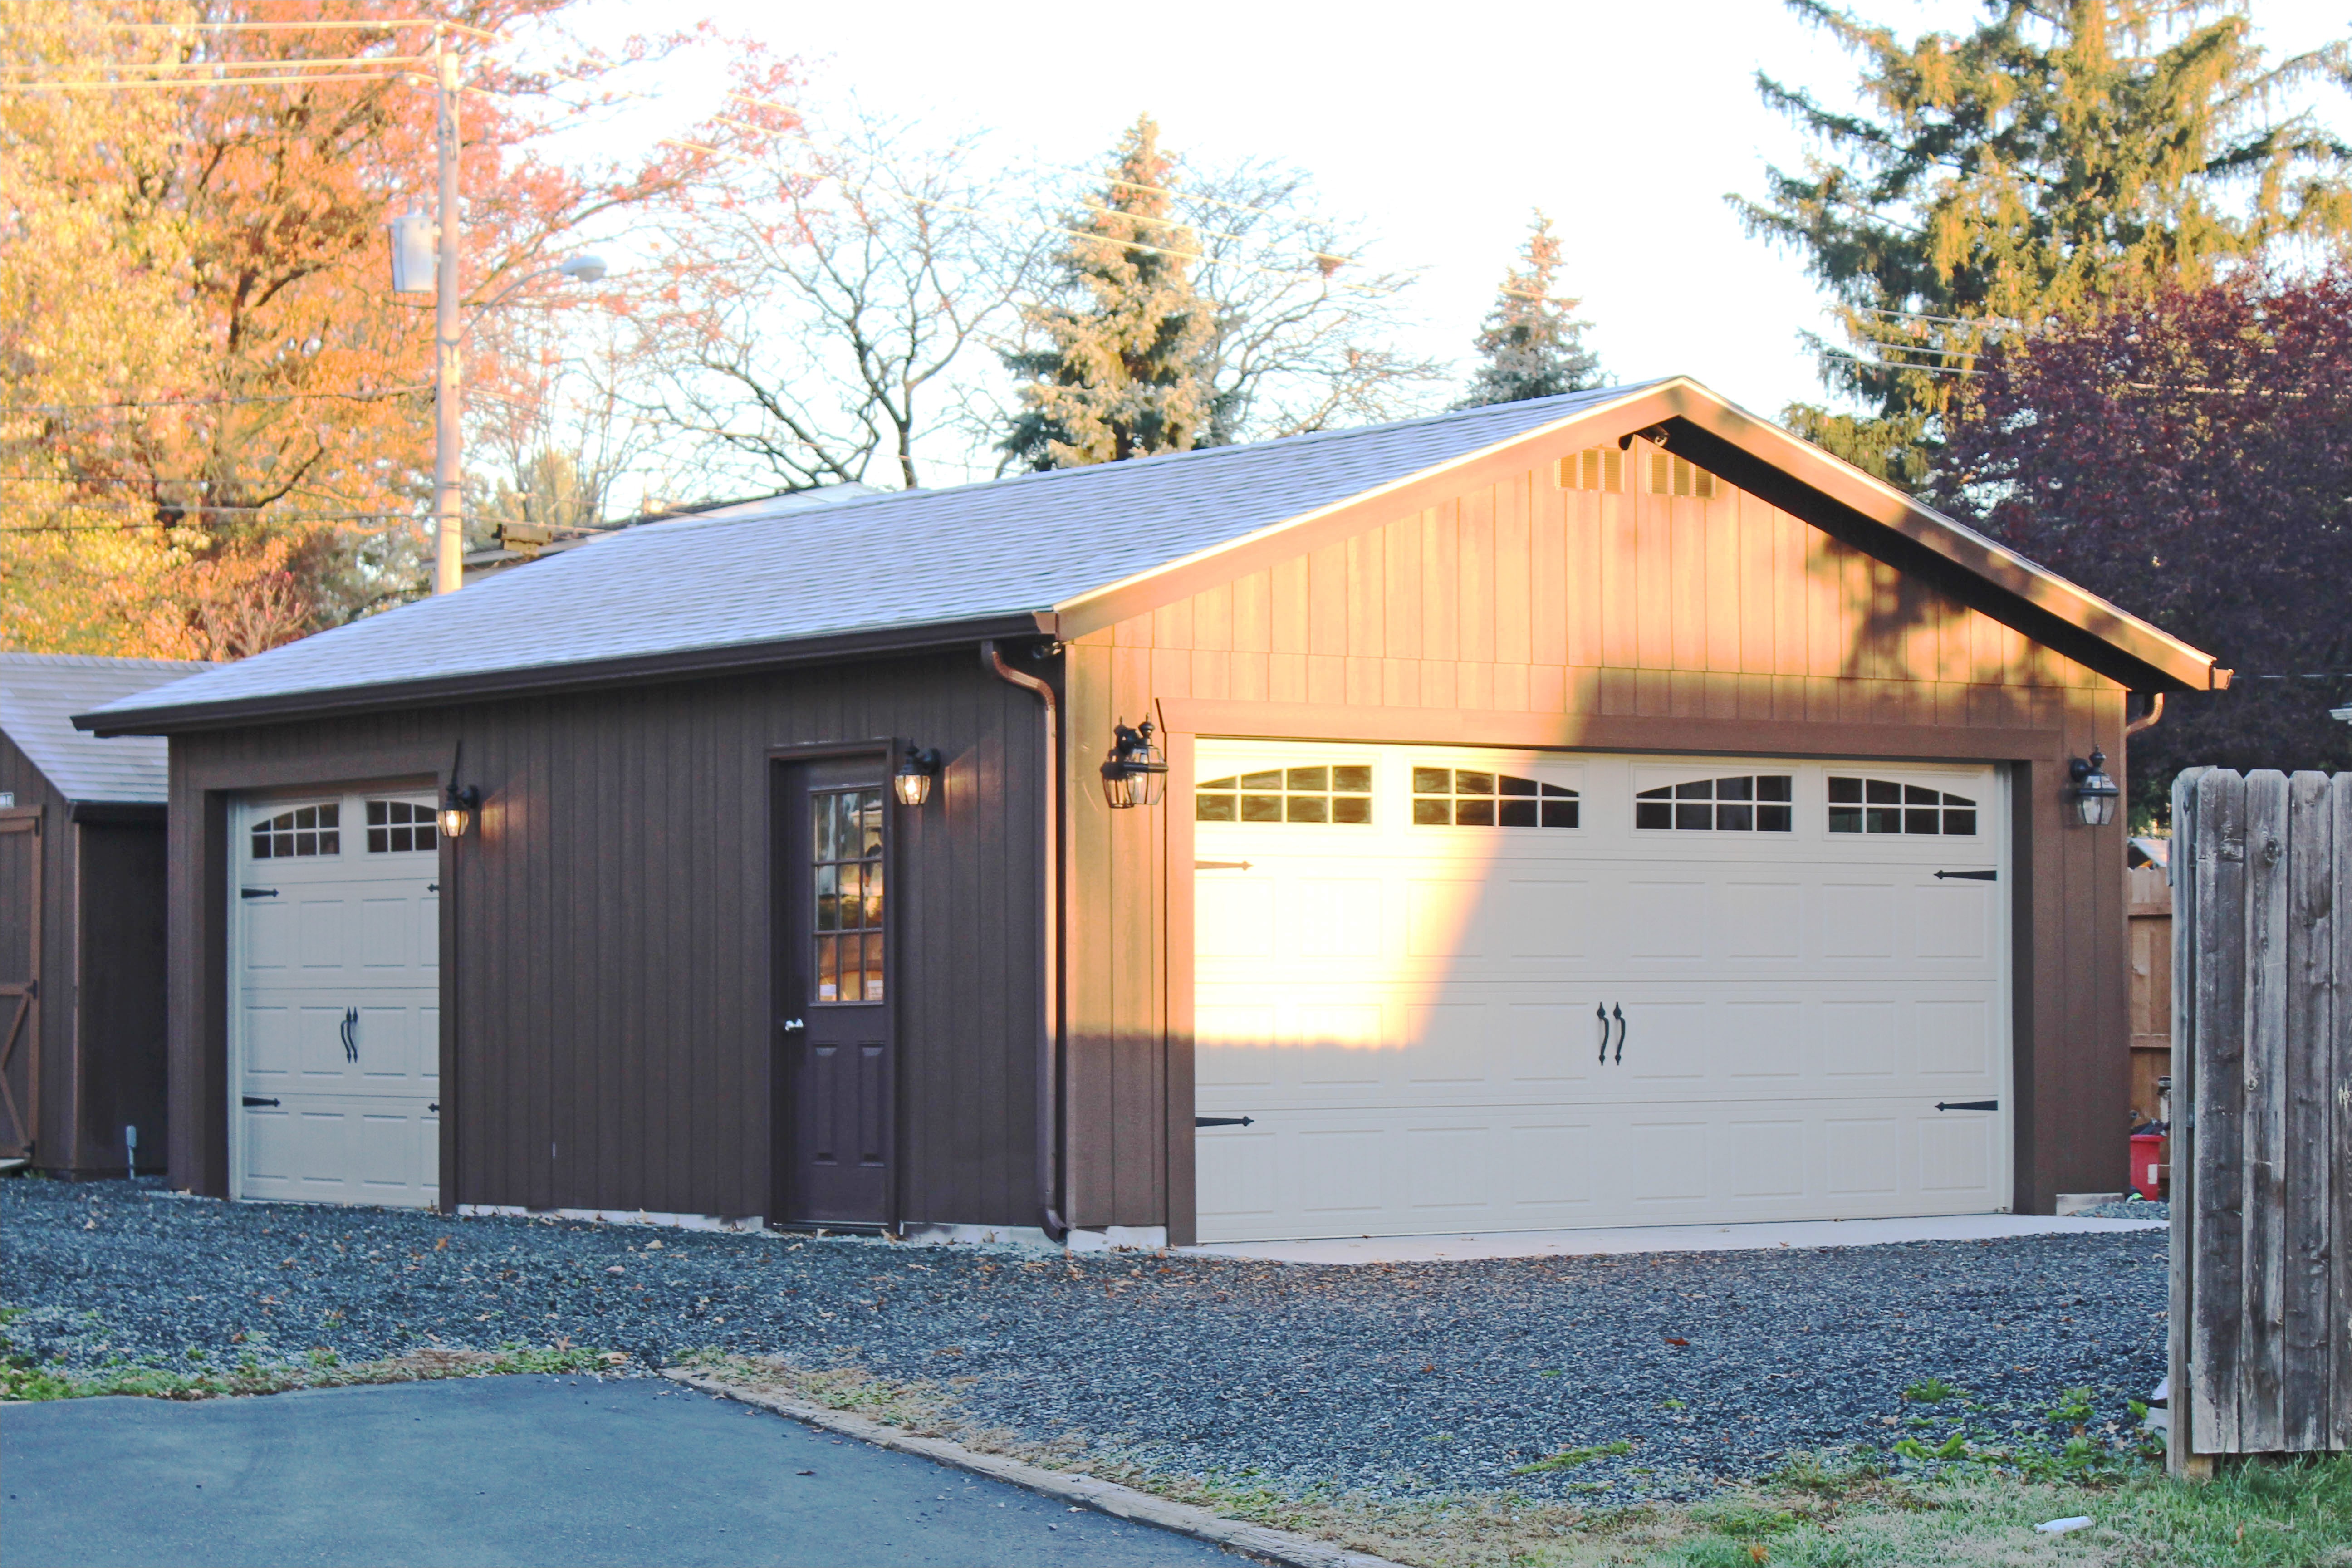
[
  {"x": 692, "y": 663},
  {"x": 1880, "y": 520},
  {"x": 111, "y": 812},
  {"x": 1148, "y": 591}
]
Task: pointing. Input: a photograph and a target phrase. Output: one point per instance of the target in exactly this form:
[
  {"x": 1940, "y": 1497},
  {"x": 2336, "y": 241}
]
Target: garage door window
[
  {"x": 1883, "y": 805},
  {"x": 1744, "y": 803},
  {"x": 1340, "y": 793},
  {"x": 399, "y": 827},
  {"x": 1467, "y": 797},
  {"x": 305, "y": 830}
]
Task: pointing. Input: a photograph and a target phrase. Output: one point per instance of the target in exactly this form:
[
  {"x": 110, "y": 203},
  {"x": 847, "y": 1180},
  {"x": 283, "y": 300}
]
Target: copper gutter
[
  {"x": 2148, "y": 719},
  {"x": 1049, "y": 1034}
]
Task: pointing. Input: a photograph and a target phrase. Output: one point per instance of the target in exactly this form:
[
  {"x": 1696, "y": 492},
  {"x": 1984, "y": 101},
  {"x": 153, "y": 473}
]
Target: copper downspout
[
  {"x": 2148, "y": 719},
  {"x": 1049, "y": 1037}
]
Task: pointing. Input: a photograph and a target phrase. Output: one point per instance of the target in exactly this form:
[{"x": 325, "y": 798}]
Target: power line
[
  {"x": 213, "y": 81},
  {"x": 212, "y": 401},
  {"x": 382, "y": 25},
  {"x": 254, "y": 65}
]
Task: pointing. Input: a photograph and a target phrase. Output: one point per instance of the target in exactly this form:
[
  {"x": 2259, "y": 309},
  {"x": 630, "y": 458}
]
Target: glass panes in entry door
[{"x": 845, "y": 837}]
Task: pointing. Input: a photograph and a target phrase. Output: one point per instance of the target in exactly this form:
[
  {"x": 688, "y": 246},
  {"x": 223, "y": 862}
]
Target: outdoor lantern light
[
  {"x": 1135, "y": 773},
  {"x": 457, "y": 808},
  {"x": 916, "y": 771},
  {"x": 2094, "y": 792}
]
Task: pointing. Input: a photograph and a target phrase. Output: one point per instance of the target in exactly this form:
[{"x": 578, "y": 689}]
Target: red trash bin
[{"x": 2148, "y": 1164}]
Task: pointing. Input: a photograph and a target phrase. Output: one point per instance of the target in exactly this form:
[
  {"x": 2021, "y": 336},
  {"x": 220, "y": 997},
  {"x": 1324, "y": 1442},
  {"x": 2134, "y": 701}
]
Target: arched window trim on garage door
[
  {"x": 1339, "y": 793},
  {"x": 1734, "y": 803},
  {"x": 1885, "y": 807},
  {"x": 1478, "y": 797}
]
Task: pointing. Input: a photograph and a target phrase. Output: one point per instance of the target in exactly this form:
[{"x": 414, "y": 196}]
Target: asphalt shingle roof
[
  {"x": 41, "y": 692},
  {"x": 904, "y": 560}
]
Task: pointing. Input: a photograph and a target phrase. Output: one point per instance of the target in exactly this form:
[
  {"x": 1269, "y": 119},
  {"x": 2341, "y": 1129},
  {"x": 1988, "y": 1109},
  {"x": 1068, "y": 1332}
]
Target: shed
[
  {"x": 81, "y": 917},
  {"x": 1590, "y": 810}
]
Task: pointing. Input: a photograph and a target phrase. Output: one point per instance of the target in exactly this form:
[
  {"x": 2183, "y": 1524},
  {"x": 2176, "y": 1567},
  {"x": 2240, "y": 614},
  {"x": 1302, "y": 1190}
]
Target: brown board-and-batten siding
[
  {"x": 1487, "y": 605},
  {"x": 89, "y": 1054},
  {"x": 606, "y": 1029}
]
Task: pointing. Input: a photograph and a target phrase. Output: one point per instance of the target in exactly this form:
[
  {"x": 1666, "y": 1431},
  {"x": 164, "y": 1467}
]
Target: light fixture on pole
[
  {"x": 414, "y": 237},
  {"x": 917, "y": 769},
  {"x": 2093, "y": 791},
  {"x": 1135, "y": 773}
]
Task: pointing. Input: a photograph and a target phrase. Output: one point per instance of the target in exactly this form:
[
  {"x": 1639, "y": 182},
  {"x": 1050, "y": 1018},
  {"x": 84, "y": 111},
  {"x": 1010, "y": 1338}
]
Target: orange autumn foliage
[{"x": 218, "y": 432}]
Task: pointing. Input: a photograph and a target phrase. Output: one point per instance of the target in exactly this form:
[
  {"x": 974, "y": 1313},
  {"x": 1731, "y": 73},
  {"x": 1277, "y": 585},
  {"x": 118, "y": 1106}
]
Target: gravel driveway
[{"x": 1403, "y": 1380}]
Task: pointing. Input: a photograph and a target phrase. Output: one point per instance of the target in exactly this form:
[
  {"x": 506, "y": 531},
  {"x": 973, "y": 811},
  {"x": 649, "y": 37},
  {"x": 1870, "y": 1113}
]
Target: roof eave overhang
[
  {"x": 1873, "y": 517},
  {"x": 450, "y": 691},
  {"x": 1767, "y": 462}
]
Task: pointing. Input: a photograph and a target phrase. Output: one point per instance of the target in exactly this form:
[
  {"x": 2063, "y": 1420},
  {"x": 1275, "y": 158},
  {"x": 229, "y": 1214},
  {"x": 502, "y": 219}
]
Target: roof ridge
[{"x": 1103, "y": 472}]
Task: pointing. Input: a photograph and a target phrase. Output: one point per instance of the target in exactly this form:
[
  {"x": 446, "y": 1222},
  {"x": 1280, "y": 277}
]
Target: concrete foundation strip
[{"x": 1104, "y": 1497}]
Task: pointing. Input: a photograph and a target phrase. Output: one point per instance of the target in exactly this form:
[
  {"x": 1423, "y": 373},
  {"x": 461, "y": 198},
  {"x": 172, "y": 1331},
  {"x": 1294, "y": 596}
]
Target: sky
[{"x": 1441, "y": 126}]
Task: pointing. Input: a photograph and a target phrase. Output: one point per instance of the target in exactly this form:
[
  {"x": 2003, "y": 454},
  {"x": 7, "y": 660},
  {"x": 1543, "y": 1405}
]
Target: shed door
[
  {"x": 21, "y": 912},
  {"x": 1461, "y": 991},
  {"x": 335, "y": 1082},
  {"x": 835, "y": 984}
]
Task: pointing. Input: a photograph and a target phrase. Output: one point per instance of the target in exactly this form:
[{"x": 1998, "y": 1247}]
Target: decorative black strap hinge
[
  {"x": 1223, "y": 1121},
  {"x": 1968, "y": 1105},
  {"x": 1968, "y": 875},
  {"x": 253, "y": 1100}
]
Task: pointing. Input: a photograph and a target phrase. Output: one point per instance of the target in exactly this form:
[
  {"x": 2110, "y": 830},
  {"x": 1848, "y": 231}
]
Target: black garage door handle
[
  {"x": 1969, "y": 1105},
  {"x": 253, "y": 1100}
]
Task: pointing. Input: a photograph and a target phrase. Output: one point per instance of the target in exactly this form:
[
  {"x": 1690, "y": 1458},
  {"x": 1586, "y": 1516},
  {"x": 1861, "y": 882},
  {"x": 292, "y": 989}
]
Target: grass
[
  {"x": 23, "y": 1380},
  {"x": 1977, "y": 1504}
]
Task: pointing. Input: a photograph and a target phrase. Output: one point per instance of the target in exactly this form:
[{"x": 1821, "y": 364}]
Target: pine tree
[
  {"x": 2066, "y": 153},
  {"x": 1120, "y": 365},
  {"x": 1532, "y": 344}
]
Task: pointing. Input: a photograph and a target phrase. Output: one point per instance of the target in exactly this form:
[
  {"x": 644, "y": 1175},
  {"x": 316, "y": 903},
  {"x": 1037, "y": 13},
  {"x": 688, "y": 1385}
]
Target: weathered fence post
[{"x": 2261, "y": 1346}]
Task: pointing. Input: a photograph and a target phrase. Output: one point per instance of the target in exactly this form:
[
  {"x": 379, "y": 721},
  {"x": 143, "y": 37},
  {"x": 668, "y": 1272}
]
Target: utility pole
[{"x": 449, "y": 450}]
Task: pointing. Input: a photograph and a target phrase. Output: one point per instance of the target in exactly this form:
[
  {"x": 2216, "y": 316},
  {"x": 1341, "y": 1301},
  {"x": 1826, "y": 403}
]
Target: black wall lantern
[
  {"x": 457, "y": 808},
  {"x": 916, "y": 771},
  {"x": 1135, "y": 773},
  {"x": 2093, "y": 791}
]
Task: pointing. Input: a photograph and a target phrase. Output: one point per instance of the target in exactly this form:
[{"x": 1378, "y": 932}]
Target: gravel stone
[{"x": 1403, "y": 1380}]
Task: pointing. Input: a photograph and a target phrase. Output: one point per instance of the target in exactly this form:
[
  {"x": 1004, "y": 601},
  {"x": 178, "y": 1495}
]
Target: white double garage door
[
  {"x": 334, "y": 1075},
  {"x": 1482, "y": 990}
]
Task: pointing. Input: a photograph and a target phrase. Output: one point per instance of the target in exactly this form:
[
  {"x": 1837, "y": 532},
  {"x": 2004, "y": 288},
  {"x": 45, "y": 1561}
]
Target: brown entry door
[{"x": 833, "y": 1009}]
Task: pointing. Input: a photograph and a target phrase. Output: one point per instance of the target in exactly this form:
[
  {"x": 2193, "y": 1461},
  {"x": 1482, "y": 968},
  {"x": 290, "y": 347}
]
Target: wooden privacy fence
[{"x": 2261, "y": 1129}]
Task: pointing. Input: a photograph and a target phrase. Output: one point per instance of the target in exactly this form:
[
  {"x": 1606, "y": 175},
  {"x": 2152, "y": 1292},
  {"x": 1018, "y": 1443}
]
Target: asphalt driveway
[{"x": 508, "y": 1470}]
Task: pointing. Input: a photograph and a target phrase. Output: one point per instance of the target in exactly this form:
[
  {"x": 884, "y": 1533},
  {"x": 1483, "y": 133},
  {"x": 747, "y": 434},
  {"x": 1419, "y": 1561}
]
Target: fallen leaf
[
  {"x": 1756, "y": 1553},
  {"x": 1672, "y": 1341},
  {"x": 616, "y": 1269},
  {"x": 440, "y": 1243}
]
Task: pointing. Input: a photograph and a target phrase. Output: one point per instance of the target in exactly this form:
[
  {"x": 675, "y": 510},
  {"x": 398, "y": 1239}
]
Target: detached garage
[{"x": 1603, "y": 809}]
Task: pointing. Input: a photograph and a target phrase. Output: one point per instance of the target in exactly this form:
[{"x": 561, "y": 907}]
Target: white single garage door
[
  {"x": 334, "y": 1075},
  {"x": 1482, "y": 990}
]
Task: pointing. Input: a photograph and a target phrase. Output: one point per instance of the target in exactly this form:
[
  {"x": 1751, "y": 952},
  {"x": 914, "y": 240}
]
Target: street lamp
[{"x": 413, "y": 236}]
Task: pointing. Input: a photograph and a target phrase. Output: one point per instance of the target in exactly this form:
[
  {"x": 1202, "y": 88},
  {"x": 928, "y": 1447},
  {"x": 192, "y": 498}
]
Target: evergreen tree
[
  {"x": 1117, "y": 364},
  {"x": 2065, "y": 153},
  {"x": 1532, "y": 344}
]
